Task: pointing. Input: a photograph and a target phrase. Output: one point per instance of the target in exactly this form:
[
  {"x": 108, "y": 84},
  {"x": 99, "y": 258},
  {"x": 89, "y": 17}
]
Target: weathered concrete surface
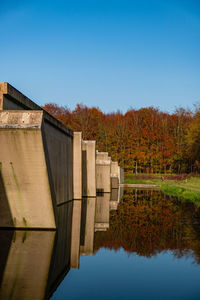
[
  {"x": 89, "y": 169},
  {"x": 58, "y": 142},
  {"x": 114, "y": 169},
  {"x": 76, "y": 230},
  {"x": 77, "y": 165},
  {"x": 87, "y": 226},
  {"x": 27, "y": 263},
  {"x": 103, "y": 169},
  {"x": 36, "y": 171},
  {"x": 115, "y": 176},
  {"x": 102, "y": 212},
  {"x": 25, "y": 193}
]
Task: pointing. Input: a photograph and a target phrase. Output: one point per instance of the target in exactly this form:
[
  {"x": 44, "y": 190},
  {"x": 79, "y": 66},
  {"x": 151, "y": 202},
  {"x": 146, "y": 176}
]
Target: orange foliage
[{"x": 142, "y": 141}]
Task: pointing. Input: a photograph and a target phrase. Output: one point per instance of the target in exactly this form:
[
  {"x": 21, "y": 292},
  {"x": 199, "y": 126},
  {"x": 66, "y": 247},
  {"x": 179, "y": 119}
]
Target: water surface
[{"x": 145, "y": 246}]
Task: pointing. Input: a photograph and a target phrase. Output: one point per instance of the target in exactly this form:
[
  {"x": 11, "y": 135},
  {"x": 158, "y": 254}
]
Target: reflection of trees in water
[{"x": 148, "y": 222}]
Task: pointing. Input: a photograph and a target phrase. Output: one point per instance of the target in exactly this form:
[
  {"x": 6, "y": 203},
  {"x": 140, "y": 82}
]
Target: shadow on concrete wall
[{"x": 84, "y": 173}]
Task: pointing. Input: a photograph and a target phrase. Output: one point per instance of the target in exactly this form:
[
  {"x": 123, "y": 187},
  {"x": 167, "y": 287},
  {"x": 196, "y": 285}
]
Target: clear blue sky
[{"x": 114, "y": 54}]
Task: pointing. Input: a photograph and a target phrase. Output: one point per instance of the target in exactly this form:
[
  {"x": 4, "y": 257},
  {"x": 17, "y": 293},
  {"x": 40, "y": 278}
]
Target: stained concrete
[
  {"x": 89, "y": 169},
  {"x": 36, "y": 159},
  {"x": 103, "y": 170},
  {"x": 24, "y": 173},
  {"x": 43, "y": 164},
  {"x": 36, "y": 170}
]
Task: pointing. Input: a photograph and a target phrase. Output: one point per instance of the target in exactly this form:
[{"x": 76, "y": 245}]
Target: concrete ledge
[
  {"x": 141, "y": 186},
  {"x": 21, "y": 119},
  {"x": 12, "y": 99}
]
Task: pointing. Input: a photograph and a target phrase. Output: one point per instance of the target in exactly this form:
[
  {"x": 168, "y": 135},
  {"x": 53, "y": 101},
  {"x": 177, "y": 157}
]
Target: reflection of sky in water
[{"x": 117, "y": 275}]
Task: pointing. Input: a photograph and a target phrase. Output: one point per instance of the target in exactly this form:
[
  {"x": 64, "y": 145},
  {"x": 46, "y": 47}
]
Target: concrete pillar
[
  {"x": 25, "y": 191},
  {"x": 114, "y": 175},
  {"x": 103, "y": 169},
  {"x": 89, "y": 169},
  {"x": 77, "y": 165},
  {"x": 87, "y": 226},
  {"x": 102, "y": 212},
  {"x": 75, "y": 239}
]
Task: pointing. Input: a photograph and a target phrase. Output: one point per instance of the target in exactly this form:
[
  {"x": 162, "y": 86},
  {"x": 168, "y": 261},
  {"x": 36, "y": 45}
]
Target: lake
[{"x": 139, "y": 245}]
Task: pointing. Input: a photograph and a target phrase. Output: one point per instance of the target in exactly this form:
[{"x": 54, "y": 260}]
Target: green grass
[
  {"x": 191, "y": 182},
  {"x": 135, "y": 181},
  {"x": 182, "y": 193}
]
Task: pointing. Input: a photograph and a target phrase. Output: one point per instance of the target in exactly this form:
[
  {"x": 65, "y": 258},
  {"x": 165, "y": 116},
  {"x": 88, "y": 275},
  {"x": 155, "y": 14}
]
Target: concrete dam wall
[{"x": 44, "y": 165}]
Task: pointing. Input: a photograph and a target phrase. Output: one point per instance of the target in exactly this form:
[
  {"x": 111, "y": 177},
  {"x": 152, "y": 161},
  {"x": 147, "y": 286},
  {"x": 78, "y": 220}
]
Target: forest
[{"x": 145, "y": 140}]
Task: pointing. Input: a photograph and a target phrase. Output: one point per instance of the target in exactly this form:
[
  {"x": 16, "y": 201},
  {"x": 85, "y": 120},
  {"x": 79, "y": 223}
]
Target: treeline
[{"x": 146, "y": 140}]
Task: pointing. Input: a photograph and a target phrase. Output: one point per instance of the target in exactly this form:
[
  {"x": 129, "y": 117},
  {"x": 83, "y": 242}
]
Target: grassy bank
[
  {"x": 182, "y": 193},
  {"x": 183, "y": 186}
]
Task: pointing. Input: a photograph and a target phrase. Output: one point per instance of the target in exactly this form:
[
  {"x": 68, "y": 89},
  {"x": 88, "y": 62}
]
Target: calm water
[{"x": 147, "y": 246}]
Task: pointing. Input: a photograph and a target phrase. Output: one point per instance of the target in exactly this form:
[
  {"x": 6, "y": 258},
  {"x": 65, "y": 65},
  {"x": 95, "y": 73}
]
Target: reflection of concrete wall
[
  {"x": 87, "y": 226},
  {"x": 77, "y": 165},
  {"x": 114, "y": 199},
  {"x": 121, "y": 175},
  {"x": 89, "y": 169},
  {"x": 116, "y": 196},
  {"x": 60, "y": 262},
  {"x": 103, "y": 162},
  {"x": 102, "y": 212},
  {"x": 27, "y": 266},
  {"x": 76, "y": 230}
]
